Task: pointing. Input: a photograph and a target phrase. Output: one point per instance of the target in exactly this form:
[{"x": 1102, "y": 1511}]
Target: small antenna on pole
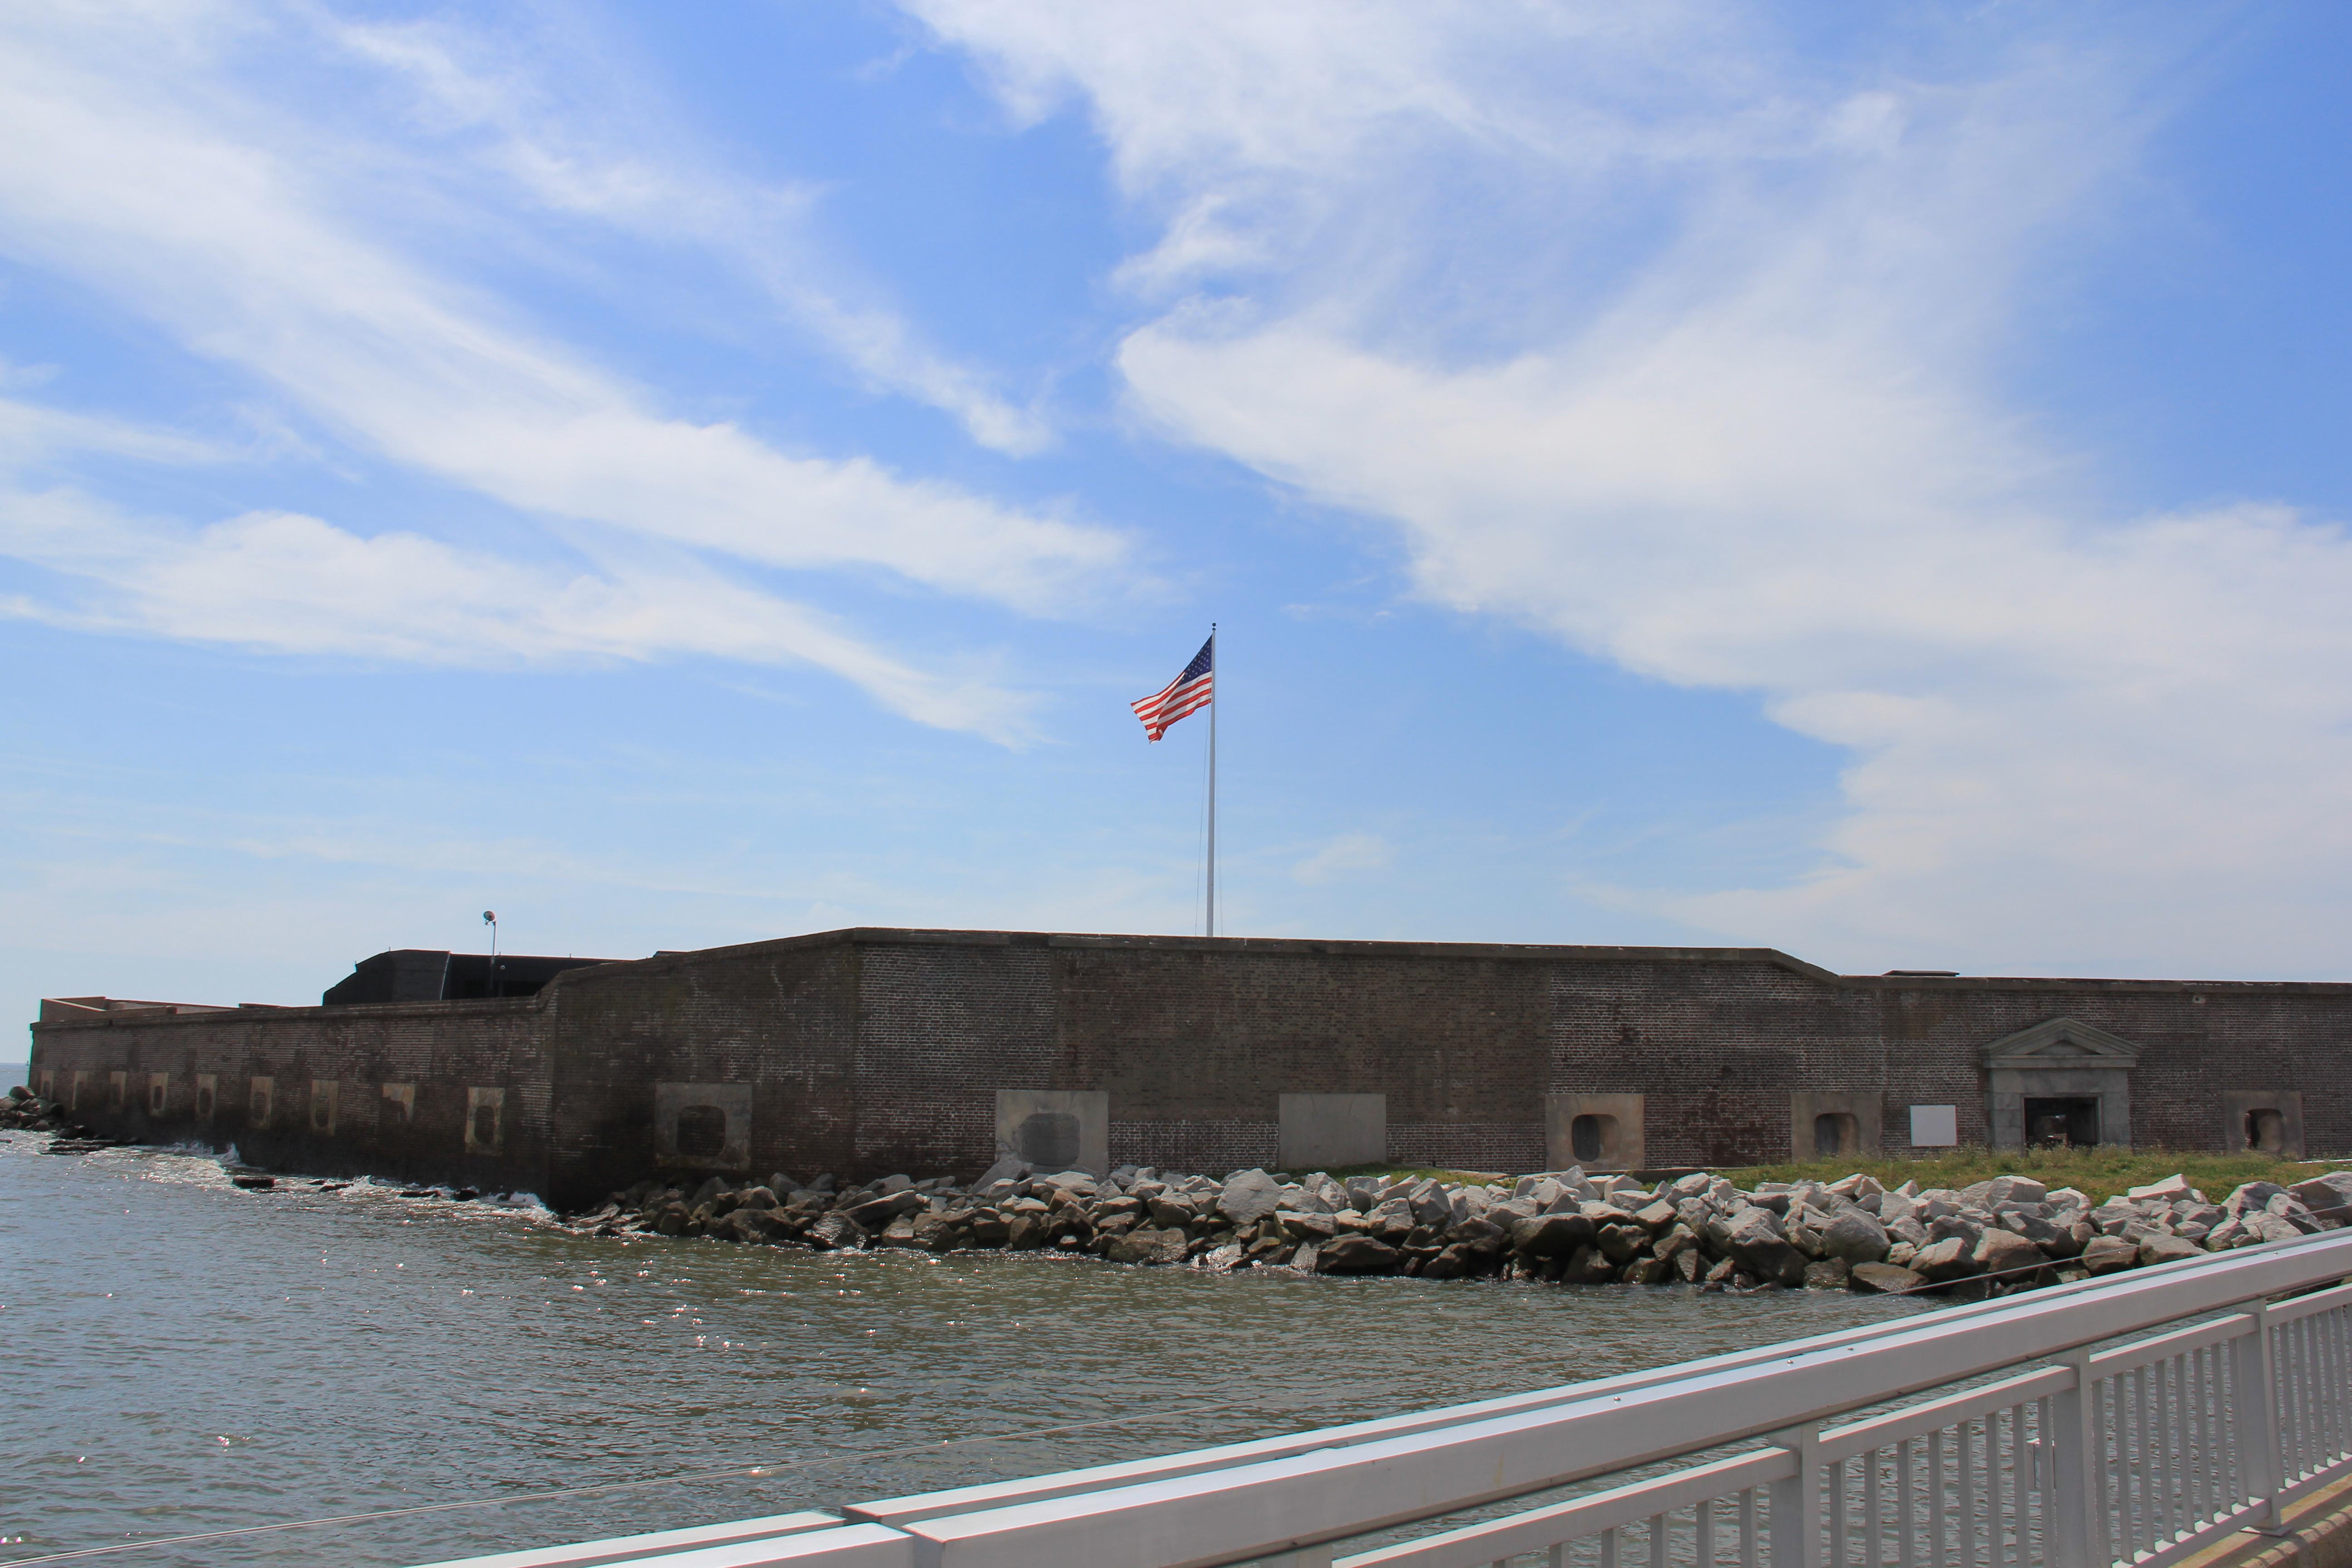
[{"x": 491, "y": 919}]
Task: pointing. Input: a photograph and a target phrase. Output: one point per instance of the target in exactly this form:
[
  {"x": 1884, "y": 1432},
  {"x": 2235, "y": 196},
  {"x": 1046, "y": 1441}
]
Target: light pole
[{"x": 491, "y": 919}]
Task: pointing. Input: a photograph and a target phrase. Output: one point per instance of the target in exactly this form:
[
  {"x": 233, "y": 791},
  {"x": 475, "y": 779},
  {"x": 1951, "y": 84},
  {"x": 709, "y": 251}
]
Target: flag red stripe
[{"x": 1174, "y": 702}]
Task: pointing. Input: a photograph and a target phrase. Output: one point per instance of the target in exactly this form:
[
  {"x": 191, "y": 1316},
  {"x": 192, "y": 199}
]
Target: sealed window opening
[
  {"x": 1048, "y": 1137},
  {"x": 2266, "y": 1132},
  {"x": 1835, "y": 1133},
  {"x": 701, "y": 1131},
  {"x": 204, "y": 1102},
  {"x": 1588, "y": 1137},
  {"x": 257, "y": 1107},
  {"x": 2072, "y": 1123},
  {"x": 155, "y": 1089},
  {"x": 485, "y": 1125}
]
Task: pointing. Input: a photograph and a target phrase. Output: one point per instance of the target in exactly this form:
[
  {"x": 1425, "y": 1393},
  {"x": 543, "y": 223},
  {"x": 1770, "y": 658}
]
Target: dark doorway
[
  {"x": 1834, "y": 1134},
  {"x": 2266, "y": 1132},
  {"x": 701, "y": 1131},
  {"x": 1049, "y": 1140},
  {"x": 2072, "y": 1123},
  {"x": 1587, "y": 1137}
]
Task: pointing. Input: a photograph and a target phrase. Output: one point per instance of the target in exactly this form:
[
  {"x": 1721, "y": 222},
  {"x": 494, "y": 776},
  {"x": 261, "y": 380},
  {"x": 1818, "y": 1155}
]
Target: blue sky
[{"x": 1865, "y": 482}]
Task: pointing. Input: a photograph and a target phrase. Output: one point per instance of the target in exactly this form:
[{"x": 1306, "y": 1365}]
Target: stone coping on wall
[
  {"x": 150, "y": 1014},
  {"x": 166, "y": 1014},
  {"x": 1525, "y": 952}
]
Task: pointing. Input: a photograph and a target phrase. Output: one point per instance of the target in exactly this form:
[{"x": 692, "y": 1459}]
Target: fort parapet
[{"x": 871, "y": 1051}]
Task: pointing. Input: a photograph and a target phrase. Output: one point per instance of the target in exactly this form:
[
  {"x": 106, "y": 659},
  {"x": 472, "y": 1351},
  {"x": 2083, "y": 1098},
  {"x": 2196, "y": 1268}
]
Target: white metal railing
[{"x": 2051, "y": 1438}]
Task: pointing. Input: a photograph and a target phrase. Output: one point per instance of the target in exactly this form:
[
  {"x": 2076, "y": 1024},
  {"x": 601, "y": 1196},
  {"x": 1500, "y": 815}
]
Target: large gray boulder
[
  {"x": 2171, "y": 1187},
  {"x": 1479, "y": 1234},
  {"x": 2250, "y": 1195},
  {"x": 2292, "y": 1210},
  {"x": 750, "y": 1226},
  {"x": 1005, "y": 1170},
  {"x": 1679, "y": 1238},
  {"x": 935, "y": 1233},
  {"x": 1829, "y": 1274},
  {"x": 2169, "y": 1249},
  {"x": 834, "y": 1232},
  {"x": 876, "y": 1213},
  {"x": 2014, "y": 1190},
  {"x": 1856, "y": 1237},
  {"x": 1588, "y": 1266},
  {"x": 1248, "y": 1197},
  {"x": 1657, "y": 1216},
  {"x": 2328, "y": 1197},
  {"x": 1886, "y": 1278},
  {"x": 1355, "y": 1255},
  {"x": 1167, "y": 1209},
  {"x": 1327, "y": 1192},
  {"x": 1620, "y": 1243},
  {"x": 1551, "y": 1235},
  {"x": 1950, "y": 1258},
  {"x": 2006, "y": 1252},
  {"x": 1754, "y": 1240},
  {"x": 1148, "y": 1246},
  {"x": 2110, "y": 1254}
]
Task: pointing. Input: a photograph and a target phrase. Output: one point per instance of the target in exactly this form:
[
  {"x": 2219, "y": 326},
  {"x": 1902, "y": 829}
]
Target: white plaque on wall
[{"x": 1934, "y": 1126}]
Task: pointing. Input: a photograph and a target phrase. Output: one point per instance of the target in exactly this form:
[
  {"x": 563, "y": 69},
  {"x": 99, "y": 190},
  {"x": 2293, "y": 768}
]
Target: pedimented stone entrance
[{"x": 2061, "y": 1080}]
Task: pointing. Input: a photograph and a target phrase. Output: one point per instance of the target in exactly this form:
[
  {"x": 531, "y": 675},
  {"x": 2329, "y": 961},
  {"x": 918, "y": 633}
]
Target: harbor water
[{"x": 188, "y": 1359}]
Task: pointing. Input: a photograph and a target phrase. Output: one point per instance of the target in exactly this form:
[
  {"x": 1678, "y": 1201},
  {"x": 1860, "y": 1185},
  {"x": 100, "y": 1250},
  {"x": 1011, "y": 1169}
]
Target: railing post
[
  {"x": 2253, "y": 1387},
  {"x": 1795, "y": 1527},
  {"x": 2075, "y": 1513}
]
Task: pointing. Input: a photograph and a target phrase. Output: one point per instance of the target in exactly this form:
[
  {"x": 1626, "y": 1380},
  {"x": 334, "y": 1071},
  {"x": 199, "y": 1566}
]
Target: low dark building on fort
[{"x": 867, "y": 1051}]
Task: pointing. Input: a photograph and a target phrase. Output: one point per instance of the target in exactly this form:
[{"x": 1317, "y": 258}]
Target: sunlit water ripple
[{"x": 190, "y": 1357}]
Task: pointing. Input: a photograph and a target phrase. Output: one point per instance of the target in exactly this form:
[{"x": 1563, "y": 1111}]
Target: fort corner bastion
[{"x": 867, "y": 1052}]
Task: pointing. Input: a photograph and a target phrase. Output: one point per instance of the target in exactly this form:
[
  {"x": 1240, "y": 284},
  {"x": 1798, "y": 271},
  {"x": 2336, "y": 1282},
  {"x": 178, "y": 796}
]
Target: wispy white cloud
[
  {"x": 30, "y": 432},
  {"x": 1640, "y": 332},
  {"x": 613, "y": 158},
  {"x": 1344, "y": 855},
  {"x": 136, "y": 162},
  {"x": 113, "y": 178},
  {"x": 284, "y": 583}
]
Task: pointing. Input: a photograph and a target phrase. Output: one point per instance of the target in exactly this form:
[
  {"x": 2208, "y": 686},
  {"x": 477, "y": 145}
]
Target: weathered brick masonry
[{"x": 865, "y": 1051}]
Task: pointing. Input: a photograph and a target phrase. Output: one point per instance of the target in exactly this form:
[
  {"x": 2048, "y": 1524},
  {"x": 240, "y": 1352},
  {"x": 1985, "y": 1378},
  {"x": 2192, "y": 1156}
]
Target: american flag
[{"x": 1187, "y": 693}]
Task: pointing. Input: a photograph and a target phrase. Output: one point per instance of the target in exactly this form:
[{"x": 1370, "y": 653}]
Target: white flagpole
[{"x": 1213, "y": 778}]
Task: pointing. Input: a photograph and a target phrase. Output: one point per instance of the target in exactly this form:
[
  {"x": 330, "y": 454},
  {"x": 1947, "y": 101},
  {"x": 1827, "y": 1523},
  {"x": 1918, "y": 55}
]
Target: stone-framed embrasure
[
  {"x": 1595, "y": 1132},
  {"x": 2267, "y": 1120},
  {"x": 1860, "y": 1118}
]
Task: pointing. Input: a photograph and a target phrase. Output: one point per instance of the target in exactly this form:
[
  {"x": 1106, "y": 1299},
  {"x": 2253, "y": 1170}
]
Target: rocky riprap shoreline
[
  {"x": 2008, "y": 1233},
  {"x": 28, "y": 1112}
]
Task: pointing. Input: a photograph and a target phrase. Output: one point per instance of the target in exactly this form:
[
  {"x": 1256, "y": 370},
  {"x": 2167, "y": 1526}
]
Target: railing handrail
[
  {"x": 985, "y": 1495},
  {"x": 1226, "y": 1516},
  {"x": 1251, "y": 1501}
]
